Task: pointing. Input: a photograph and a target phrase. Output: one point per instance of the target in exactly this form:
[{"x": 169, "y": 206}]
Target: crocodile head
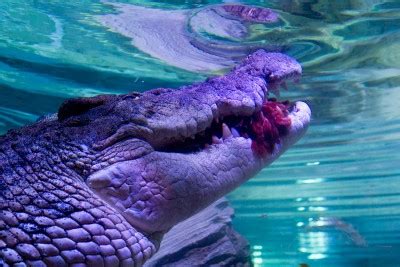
[
  {"x": 170, "y": 153},
  {"x": 153, "y": 158}
]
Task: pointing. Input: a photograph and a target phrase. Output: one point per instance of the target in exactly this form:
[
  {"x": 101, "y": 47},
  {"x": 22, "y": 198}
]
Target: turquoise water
[{"x": 334, "y": 198}]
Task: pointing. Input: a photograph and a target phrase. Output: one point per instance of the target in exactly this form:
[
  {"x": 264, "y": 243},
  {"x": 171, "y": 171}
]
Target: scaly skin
[{"x": 97, "y": 186}]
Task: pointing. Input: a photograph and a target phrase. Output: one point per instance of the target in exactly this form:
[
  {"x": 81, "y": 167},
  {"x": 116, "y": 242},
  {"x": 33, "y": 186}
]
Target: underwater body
[
  {"x": 333, "y": 199},
  {"x": 103, "y": 180}
]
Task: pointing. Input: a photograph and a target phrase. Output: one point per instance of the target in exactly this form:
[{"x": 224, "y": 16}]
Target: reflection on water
[
  {"x": 204, "y": 39},
  {"x": 332, "y": 200}
]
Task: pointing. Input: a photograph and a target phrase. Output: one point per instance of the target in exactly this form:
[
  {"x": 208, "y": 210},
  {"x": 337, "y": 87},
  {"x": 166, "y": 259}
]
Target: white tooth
[
  {"x": 226, "y": 132},
  {"x": 216, "y": 140},
  {"x": 235, "y": 132},
  {"x": 217, "y": 120}
]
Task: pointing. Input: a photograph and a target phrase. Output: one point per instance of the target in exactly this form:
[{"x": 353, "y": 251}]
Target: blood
[{"x": 268, "y": 125}]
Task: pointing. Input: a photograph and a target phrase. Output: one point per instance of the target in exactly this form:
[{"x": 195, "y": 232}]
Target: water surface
[{"x": 334, "y": 198}]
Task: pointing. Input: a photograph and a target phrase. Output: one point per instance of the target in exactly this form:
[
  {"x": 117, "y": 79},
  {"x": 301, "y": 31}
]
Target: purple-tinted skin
[
  {"x": 252, "y": 14},
  {"x": 96, "y": 185}
]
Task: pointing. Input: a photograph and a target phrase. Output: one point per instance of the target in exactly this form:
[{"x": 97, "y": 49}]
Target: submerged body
[{"x": 101, "y": 183}]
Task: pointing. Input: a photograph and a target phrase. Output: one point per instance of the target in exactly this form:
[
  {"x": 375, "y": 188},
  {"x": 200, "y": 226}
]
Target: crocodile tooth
[
  {"x": 216, "y": 140},
  {"x": 226, "y": 132},
  {"x": 235, "y": 132}
]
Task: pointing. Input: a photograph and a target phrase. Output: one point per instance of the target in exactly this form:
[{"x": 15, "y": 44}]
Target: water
[{"x": 334, "y": 198}]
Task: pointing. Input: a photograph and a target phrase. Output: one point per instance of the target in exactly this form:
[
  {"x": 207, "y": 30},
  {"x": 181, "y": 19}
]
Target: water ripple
[{"x": 332, "y": 200}]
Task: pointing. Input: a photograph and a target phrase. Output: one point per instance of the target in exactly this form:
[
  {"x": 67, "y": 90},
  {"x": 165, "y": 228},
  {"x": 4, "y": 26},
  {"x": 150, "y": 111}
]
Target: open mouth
[
  {"x": 239, "y": 105},
  {"x": 265, "y": 128}
]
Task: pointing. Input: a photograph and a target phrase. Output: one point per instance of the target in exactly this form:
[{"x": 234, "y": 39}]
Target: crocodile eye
[{"x": 78, "y": 106}]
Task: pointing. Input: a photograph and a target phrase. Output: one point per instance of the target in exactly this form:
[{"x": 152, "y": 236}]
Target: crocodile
[{"x": 101, "y": 182}]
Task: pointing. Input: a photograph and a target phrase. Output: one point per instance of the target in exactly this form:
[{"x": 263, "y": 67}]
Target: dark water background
[{"x": 334, "y": 198}]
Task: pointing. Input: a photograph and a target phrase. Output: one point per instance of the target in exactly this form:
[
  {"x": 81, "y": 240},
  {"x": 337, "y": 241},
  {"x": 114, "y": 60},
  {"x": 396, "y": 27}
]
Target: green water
[{"x": 334, "y": 198}]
